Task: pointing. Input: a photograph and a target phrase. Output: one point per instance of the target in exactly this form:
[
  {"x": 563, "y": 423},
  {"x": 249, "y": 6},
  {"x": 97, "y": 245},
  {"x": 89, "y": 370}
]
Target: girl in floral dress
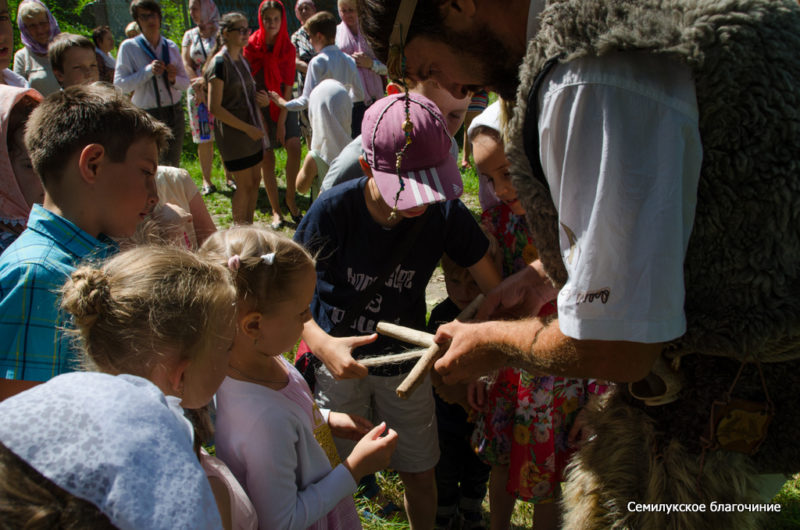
[{"x": 524, "y": 431}]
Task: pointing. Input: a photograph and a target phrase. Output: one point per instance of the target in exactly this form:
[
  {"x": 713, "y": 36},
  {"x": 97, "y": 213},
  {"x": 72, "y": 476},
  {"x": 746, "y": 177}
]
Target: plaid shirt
[{"x": 33, "y": 344}]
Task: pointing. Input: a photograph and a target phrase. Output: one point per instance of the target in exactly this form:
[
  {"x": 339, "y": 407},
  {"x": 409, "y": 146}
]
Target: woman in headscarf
[
  {"x": 37, "y": 28},
  {"x": 20, "y": 186},
  {"x": 350, "y": 40},
  {"x": 272, "y": 61},
  {"x": 303, "y": 10},
  {"x": 196, "y": 47}
]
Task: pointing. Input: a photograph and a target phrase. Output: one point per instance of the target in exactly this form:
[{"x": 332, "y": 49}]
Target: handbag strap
[{"x": 366, "y": 296}]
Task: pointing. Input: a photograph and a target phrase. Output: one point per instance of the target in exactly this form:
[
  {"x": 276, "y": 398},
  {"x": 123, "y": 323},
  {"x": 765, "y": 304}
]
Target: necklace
[{"x": 266, "y": 381}]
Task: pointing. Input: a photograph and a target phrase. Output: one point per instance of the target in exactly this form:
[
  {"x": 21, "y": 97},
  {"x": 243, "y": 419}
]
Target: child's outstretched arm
[
  {"x": 298, "y": 103},
  {"x": 336, "y": 352},
  {"x": 279, "y": 447},
  {"x": 372, "y": 453}
]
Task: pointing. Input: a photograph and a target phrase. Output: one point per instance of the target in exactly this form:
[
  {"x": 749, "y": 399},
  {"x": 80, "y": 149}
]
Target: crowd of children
[{"x": 130, "y": 337}]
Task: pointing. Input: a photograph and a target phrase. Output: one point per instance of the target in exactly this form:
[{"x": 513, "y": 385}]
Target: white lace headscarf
[{"x": 117, "y": 442}]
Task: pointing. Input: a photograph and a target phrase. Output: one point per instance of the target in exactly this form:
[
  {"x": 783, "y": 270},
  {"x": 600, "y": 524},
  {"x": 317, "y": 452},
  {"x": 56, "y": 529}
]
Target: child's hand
[
  {"x": 350, "y": 426},
  {"x": 338, "y": 356},
  {"x": 274, "y": 96},
  {"x": 580, "y": 431},
  {"x": 372, "y": 453},
  {"x": 262, "y": 98},
  {"x": 255, "y": 133},
  {"x": 476, "y": 395}
]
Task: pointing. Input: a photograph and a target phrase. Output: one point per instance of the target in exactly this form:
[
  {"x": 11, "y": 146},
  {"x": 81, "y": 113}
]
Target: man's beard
[{"x": 497, "y": 65}]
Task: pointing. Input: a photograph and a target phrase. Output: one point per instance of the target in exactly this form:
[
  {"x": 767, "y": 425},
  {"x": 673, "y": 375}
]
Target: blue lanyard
[{"x": 143, "y": 44}]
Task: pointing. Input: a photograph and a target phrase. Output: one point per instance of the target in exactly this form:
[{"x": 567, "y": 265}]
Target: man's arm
[{"x": 538, "y": 347}]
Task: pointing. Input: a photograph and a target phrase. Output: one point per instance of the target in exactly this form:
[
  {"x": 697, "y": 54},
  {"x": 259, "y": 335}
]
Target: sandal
[
  {"x": 231, "y": 185},
  {"x": 208, "y": 190},
  {"x": 465, "y": 164},
  {"x": 296, "y": 217},
  {"x": 277, "y": 225}
]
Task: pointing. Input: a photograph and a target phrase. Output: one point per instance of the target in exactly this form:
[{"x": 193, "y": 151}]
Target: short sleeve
[
  {"x": 465, "y": 242},
  {"x": 621, "y": 150},
  {"x": 218, "y": 69},
  {"x": 187, "y": 39}
]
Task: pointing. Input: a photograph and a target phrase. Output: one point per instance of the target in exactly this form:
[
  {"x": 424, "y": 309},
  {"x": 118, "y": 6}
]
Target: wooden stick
[
  {"x": 412, "y": 336},
  {"x": 394, "y": 358},
  {"x": 425, "y": 363}
]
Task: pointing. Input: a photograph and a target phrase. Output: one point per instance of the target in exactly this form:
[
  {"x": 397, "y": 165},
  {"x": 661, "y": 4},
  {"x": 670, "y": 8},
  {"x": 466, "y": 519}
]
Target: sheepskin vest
[{"x": 742, "y": 268}]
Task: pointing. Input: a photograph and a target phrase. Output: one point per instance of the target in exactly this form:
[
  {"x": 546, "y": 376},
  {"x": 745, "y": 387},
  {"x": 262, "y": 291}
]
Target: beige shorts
[{"x": 374, "y": 398}]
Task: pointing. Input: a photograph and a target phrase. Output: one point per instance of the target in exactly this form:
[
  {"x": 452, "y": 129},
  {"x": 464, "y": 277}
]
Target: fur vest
[{"x": 742, "y": 268}]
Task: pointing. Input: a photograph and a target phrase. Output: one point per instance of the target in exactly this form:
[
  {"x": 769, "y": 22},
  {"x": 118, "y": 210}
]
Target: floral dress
[{"x": 528, "y": 417}]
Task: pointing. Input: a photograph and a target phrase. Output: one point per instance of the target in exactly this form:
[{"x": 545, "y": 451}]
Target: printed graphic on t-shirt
[{"x": 400, "y": 280}]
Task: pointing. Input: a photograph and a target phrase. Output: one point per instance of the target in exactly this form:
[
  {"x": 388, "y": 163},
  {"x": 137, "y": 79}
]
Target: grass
[{"x": 219, "y": 205}]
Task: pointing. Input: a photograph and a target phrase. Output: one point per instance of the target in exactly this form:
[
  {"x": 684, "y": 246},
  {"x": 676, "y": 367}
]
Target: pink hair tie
[{"x": 234, "y": 262}]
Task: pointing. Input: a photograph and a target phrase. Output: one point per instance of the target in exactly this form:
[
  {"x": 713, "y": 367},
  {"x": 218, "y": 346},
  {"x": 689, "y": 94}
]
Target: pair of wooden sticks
[{"x": 428, "y": 357}]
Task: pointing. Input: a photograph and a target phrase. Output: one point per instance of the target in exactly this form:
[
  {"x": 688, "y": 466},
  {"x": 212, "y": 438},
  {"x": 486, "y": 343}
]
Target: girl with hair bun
[
  {"x": 112, "y": 448},
  {"x": 270, "y": 432},
  {"x": 159, "y": 313}
]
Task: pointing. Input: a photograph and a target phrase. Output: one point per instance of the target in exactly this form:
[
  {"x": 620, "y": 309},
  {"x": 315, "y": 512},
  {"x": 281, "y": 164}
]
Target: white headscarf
[
  {"x": 490, "y": 117},
  {"x": 117, "y": 442},
  {"x": 330, "y": 111}
]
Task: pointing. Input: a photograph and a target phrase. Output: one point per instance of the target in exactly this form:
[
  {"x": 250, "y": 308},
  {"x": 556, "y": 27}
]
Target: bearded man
[{"x": 653, "y": 145}]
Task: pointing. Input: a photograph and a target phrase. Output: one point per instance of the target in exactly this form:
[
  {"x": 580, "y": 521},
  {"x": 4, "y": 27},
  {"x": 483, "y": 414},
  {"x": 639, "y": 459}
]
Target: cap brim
[{"x": 423, "y": 186}]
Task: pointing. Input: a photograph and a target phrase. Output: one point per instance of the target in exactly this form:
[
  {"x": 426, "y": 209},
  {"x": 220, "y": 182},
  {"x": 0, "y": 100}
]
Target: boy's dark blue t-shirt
[{"x": 352, "y": 251}]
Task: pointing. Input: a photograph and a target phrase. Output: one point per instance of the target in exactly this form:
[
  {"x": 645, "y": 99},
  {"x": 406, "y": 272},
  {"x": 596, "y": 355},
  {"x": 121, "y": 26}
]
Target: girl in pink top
[{"x": 270, "y": 433}]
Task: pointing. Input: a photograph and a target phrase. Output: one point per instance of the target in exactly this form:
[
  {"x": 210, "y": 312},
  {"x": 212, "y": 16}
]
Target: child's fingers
[
  {"x": 366, "y": 339},
  {"x": 391, "y": 439},
  {"x": 376, "y": 431}
]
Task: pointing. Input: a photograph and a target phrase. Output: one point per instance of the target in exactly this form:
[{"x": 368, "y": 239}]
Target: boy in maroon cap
[{"x": 409, "y": 191}]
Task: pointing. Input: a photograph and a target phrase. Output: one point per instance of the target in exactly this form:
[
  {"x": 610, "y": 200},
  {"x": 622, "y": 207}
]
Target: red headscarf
[{"x": 277, "y": 64}]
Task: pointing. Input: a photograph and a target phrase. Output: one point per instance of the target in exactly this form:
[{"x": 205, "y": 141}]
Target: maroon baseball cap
[{"x": 428, "y": 170}]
